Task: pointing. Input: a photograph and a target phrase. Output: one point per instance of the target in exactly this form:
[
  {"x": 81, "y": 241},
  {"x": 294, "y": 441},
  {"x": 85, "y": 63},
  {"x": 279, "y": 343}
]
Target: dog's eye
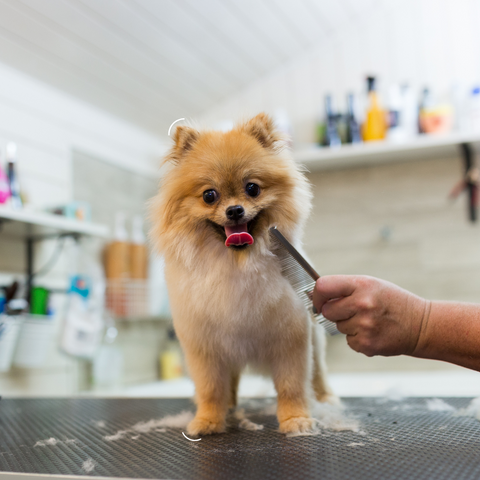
[
  {"x": 209, "y": 196},
  {"x": 252, "y": 189}
]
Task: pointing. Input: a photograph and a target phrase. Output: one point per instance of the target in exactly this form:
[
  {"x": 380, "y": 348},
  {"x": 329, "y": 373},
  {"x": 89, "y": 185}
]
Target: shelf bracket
[
  {"x": 30, "y": 256},
  {"x": 471, "y": 183}
]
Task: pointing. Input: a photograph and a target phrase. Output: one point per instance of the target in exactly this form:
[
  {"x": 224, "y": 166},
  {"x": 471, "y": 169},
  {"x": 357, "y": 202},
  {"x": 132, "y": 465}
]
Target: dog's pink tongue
[{"x": 238, "y": 235}]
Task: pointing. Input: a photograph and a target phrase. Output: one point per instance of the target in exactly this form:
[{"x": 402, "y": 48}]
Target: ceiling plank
[
  {"x": 110, "y": 49},
  {"x": 82, "y": 61},
  {"x": 24, "y": 56},
  {"x": 307, "y": 27},
  {"x": 335, "y": 13},
  {"x": 236, "y": 35},
  {"x": 261, "y": 16},
  {"x": 117, "y": 16}
]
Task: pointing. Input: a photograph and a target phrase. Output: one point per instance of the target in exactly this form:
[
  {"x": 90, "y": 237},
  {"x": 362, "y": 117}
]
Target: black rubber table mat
[{"x": 398, "y": 440}]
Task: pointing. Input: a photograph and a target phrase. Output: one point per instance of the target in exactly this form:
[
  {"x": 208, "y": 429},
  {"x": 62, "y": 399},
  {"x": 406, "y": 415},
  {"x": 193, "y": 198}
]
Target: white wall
[
  {"x": 422, "y": 42},
  {"x": 433, "y": 249},
  {"x": 48, "y": 127}
]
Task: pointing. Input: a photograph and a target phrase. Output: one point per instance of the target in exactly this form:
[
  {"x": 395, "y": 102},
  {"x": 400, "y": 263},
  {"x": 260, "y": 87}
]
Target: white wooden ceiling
[{"x": 153, "y": 61}]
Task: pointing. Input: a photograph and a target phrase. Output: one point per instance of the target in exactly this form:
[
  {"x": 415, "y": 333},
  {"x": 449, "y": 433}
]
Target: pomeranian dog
[{"x": 231, "y": 305}]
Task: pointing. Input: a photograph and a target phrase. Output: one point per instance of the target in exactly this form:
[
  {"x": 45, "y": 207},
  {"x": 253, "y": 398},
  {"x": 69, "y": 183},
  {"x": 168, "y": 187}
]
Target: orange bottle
[{"x": 375, "y": 126}]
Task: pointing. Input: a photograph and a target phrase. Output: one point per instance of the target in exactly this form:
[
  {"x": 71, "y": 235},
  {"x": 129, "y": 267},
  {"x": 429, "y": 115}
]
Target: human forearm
[
  {"x": 451, "y": 332},
  {"x": 379, "y": 318}
]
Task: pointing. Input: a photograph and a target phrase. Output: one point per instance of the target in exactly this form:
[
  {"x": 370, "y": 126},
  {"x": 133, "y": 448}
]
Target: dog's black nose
[{"x": 235, "y": 212}]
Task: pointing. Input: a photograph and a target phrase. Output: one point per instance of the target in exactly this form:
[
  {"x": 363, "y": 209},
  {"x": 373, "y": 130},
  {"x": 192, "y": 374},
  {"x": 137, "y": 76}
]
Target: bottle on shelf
[
  {"x": 171, "y": 365},
  {"x": 138, "y": 250},
  {"x": 14, "y": 186},
  {"x": 408, "y": 112},
  {"x": 426, "y": 104},
  {"x": 117, "y": 254},
  {"x": 353, "y": 125},
  {"x": 331, "y": 137},
  {"x": 474, "y": 109},
  {"x": 4, "y": 187},
  {"x": 434, "y": 115},
  {"x": 375, "y": 126}
]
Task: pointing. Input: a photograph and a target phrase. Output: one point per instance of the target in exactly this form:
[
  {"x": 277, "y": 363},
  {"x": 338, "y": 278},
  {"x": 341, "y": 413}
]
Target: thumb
[{"x": 330, "y": 287}]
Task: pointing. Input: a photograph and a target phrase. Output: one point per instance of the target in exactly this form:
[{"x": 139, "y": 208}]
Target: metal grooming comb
[{"x": 301, "y": 275}]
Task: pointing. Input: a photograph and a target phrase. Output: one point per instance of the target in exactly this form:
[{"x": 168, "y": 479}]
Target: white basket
[
  {"x": 9, "y": 330},
  {"x": 34, "y": 341}
]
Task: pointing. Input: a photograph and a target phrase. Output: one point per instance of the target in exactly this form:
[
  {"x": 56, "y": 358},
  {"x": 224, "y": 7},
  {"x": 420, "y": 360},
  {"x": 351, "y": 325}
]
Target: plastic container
[
  {"x": 34, "y": 341},
  {"x": 474, "y": 109},
  {"x": 39, "y": 301},
  {"x": 9, "y": 330},
  {"x": 4, "y": 186}
]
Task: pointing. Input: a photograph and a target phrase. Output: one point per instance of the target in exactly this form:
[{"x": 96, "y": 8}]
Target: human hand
[{"x": 378, "y": 317}]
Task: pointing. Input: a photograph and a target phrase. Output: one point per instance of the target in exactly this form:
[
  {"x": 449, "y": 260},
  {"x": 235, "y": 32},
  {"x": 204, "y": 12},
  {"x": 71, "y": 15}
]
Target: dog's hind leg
[
  {"x": 323, "y": 392},
  {"x": 234, "y": 381}
]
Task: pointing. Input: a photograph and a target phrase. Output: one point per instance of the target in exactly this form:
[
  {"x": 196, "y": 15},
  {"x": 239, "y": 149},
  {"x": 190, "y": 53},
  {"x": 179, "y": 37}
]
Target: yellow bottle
[
  {"x": 171, "y": 365},
  {"x": 375, "y": 126}
]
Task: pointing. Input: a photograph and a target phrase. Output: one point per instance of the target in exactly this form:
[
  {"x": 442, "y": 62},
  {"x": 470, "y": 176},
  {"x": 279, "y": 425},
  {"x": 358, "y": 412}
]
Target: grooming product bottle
[
  {"x": 426, "y": 104},
  {"x": 117, "y": 268},
  {"x": 171, "y": 366},
  {"x": 15, "y": 198},
  {"x": 375, "y": 126},
  {"x": 138, "y": 250},
  {"x": 117, "y": 254},
  {"x": 396, "y": 131},
  {"x": 331, "y": 137},
  {"x": 408, "y": 112},
  {"x": 474, "y": 109},
  {"x": 435, "y": 114},
  {"x": 353, "y": 126},
  {"x": 4, "y": 186}
]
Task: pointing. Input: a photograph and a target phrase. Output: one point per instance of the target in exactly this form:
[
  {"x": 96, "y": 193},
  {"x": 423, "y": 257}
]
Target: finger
[
  {"x": 354, "y": 343},
  {"x": 339, "y": 309},
  {"x": 332, "y": 286},
  {"x": 347, "y": 327}
]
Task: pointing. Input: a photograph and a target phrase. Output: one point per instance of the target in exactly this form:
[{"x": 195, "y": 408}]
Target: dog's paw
[
  {"x": 329, "y": 398},
  {"x": 202, "y": 426},
  {"x": 297, "y": 425}
]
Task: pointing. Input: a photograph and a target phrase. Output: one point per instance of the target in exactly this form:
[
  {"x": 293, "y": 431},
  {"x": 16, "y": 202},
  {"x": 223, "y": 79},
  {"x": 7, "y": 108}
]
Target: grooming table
[{"x": 398, "y": 440}]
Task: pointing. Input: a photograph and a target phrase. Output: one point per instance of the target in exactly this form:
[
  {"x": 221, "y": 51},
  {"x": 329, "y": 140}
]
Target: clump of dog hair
[
  {"x": 48, "y": 441},
  {"x": 89, "y": 465},
  {"x": 180, "y": 420},
  {"x": 438, "y": 405},
  {"x": 245, "y": 423}
]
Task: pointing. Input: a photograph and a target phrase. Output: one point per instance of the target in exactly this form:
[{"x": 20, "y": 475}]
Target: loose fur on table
[{"x": 231, "y": 306}]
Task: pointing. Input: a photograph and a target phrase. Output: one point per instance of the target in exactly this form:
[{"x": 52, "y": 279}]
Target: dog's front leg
[
  {"x": 291, "y": 373},
  {"x": 212, "y": 388}
]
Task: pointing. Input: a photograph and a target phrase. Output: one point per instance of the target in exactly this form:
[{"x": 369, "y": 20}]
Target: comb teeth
[{"x": 301, "y": 282}]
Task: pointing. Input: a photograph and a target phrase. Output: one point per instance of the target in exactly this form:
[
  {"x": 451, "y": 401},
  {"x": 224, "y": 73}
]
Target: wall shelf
[
  {"x": 30, "y": 226},
  {"x": 347, "y": 156},
  {"x": 26, "y": 223}
]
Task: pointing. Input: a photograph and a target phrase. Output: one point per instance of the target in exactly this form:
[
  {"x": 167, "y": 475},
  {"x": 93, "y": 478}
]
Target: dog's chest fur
[{"x": 240, "y": 310}]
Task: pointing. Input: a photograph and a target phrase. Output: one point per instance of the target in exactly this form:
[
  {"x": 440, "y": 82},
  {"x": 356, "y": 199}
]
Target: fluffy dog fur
[{"x": 232, "y": 307}]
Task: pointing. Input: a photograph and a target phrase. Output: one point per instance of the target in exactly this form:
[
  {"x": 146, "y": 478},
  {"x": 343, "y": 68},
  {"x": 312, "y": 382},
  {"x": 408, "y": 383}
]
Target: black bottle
[
  {"x": 331, "y": 137},
  {"x": 353, "y": 127}
]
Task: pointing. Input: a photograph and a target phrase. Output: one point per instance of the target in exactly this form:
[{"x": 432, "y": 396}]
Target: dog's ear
[
  {"x": 263, "y": 130},
  {"x": 185, "y": 138}
]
